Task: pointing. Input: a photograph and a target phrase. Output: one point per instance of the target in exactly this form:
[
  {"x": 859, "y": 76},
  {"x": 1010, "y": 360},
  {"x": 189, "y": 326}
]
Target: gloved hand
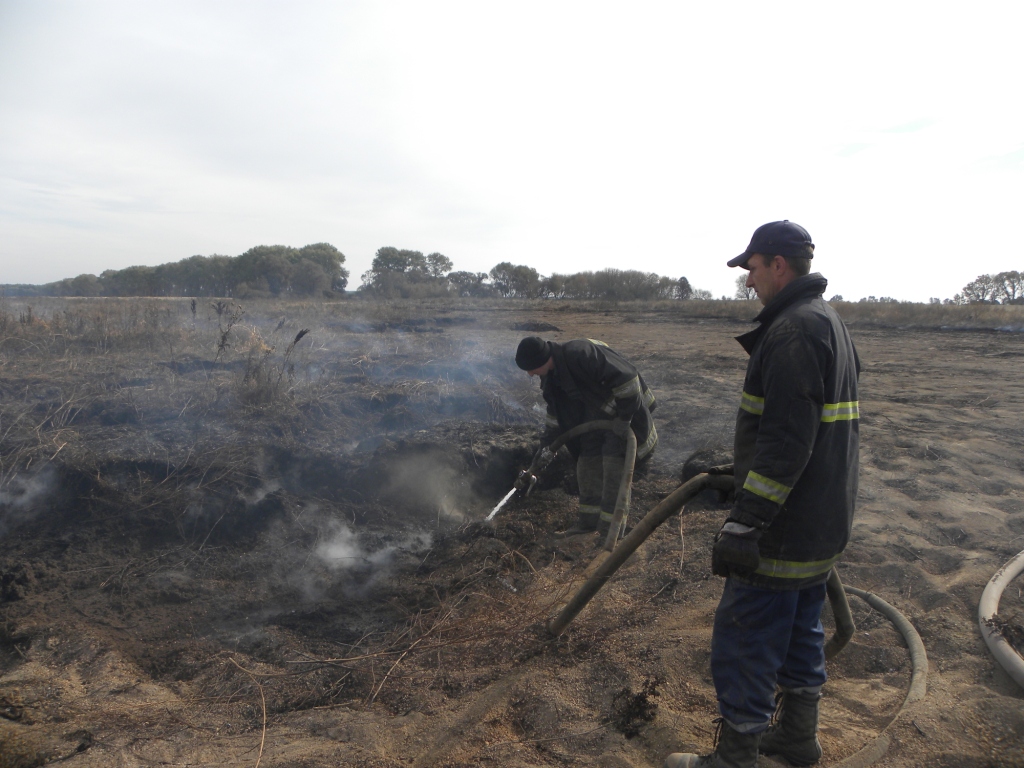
[
  {"x": 620, "y": 427},
  {"x": 735, "y": 549},
  {"x": 542, "y": 458}
]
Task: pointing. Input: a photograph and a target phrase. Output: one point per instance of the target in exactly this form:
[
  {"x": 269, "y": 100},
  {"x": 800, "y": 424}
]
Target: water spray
[{"x": 527, "y": 478}]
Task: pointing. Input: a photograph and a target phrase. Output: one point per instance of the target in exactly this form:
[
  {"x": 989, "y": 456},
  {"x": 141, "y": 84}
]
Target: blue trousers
[{"x": 764, "y": 637}]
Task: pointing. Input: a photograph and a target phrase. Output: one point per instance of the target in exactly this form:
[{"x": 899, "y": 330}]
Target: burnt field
[{"x": 251, "y": 535}]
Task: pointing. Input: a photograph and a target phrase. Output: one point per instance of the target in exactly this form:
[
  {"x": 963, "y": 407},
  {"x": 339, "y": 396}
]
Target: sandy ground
[{"x": 135, "y": 640}]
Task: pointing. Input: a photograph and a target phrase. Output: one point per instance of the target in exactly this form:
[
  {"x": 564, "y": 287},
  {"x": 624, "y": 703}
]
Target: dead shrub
[{"x": 264, "y": 380}]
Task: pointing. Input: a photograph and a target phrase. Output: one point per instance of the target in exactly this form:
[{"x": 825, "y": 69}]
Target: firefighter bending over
[{"x": 584, "y": 380}]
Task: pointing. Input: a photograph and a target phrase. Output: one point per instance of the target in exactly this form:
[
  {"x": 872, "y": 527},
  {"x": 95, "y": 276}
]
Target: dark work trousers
[
  {"x": 599, "y": 472},
  {"x": 764, "y": 637}
]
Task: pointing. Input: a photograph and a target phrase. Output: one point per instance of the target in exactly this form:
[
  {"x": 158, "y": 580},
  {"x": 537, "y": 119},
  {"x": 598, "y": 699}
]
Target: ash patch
[
  {"x": 1012, "y": 630},
  {"x": 632, "y": 711}
]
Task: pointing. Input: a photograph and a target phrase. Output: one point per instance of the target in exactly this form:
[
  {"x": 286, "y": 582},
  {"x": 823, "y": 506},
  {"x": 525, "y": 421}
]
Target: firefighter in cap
[
  {"x": 585, "y": 380},
  {"x": 796, "y": 458}
]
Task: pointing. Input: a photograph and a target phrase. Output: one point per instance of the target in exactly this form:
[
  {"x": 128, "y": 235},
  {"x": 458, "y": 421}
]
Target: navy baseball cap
[{"x": 777, "y": 238}]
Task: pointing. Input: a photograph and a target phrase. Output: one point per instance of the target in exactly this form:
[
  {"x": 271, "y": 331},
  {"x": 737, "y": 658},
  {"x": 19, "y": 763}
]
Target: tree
[
  {"x": 309, "y": 279},
  {"x": 684, "y": 290},
  {"x": 401, "y": 272},
  {"x": 982, "y": 290},
  {"x": 330, "y": 260},
  {"x": 512, "y": 280},
  {"x": 1010, "y": 287},
  {"x": 742, "y": 291},
  {"x": 438, "y": 265},
  {"x": 470, "y": 283}
]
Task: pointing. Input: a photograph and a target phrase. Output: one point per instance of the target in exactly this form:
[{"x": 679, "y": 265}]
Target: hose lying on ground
[
  {"x": 671, "y": 504},
  {"x": 877, "y": 747},
  {"x": 723, "y": 481},
  {"x": 841, "y": 613},
  {"x": 1003, "y": 652}
]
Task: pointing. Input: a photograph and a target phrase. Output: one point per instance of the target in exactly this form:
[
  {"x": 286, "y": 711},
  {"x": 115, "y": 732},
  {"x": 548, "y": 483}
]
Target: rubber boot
[
  {"x": 732, "y": 750},
  {"x": 586, "y": 522},
  {"x": 605, "y": 525},
  {"x": 794, "y": 735}
]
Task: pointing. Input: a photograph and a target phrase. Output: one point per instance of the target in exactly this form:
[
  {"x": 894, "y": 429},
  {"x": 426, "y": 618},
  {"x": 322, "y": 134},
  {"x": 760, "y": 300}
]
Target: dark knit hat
[{"x": 533, "y": 352}]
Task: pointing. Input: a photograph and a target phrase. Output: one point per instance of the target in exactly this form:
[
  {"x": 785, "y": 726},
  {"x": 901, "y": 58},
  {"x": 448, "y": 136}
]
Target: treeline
[
  {"x": 1001, "y": 288},
  {"x": 263, "y": 271},
  {"x": 399, "y": 273}
]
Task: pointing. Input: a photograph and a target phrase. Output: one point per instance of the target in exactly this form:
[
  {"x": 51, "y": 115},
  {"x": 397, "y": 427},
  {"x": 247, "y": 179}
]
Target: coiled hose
[{"x": 1008, "y": 658}]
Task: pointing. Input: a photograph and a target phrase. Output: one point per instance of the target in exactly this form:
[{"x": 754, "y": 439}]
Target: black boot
[
  {"x": 794, "y": 735},
  {"x": 585, "y": 523},
  {"x": 732, "y": 750}
]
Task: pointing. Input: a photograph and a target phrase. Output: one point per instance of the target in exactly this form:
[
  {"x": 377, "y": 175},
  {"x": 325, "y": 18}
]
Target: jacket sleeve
[
  {"x": 793, "y": 376},
  {"x": 552, "y": 430},
  {"x": 616, "y": 376}
]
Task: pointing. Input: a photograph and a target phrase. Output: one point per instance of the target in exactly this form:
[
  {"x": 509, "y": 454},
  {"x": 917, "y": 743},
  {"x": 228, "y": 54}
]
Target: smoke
[
  {"x": 342, "y": 551},
  {"x": 431, "y": 487},
  {"x": 352, "y": 562},
  {"x": 24, "y": 495}
]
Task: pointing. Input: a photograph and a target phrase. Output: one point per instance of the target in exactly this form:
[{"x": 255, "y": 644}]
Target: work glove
[
  {"x": 620, "y": 427},
  {"x": 542, "y": 458},
  {"x": 735, "y": 550}
]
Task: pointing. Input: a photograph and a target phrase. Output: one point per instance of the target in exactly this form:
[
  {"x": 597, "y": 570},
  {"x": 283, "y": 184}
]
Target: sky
[{"x": 566, "y": 136}]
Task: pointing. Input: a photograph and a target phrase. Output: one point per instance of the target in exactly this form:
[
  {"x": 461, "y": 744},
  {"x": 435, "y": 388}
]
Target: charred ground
[{"x": 229, "y": 542}]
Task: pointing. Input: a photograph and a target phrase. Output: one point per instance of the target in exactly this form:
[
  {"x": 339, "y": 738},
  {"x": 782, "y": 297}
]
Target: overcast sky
[{"x": 567, "y": 136}]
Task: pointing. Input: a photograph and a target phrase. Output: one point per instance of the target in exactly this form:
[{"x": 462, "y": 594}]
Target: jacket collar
[
  {"x": 813, "y": 284},
  {"x": 803, "y": 287}
]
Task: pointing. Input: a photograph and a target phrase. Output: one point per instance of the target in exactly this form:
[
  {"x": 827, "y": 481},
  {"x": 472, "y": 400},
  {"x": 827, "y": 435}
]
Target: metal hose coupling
[{"x": 528, "y": 477}]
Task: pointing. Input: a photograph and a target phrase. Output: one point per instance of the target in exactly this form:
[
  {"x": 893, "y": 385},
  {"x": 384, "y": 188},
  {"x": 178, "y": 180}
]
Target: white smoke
[
  {"x": 25, "y": 494},
  {"x": 342, "y": 551}
]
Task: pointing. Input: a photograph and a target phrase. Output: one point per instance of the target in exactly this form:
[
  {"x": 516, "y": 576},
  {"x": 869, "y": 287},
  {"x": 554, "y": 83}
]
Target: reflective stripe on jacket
[{"x": 797, "y": 436}]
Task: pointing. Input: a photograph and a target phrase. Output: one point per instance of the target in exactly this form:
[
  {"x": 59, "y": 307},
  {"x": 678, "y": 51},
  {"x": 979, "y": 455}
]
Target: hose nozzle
[
  {"x": 528, "y": 477},
  {"x": 525, "y": 482}
]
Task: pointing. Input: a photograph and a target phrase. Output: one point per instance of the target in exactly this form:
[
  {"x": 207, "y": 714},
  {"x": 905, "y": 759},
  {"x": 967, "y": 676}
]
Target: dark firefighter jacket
[
  {"x": 590, "y": 381},
  {"x": 797, "y": 436}
]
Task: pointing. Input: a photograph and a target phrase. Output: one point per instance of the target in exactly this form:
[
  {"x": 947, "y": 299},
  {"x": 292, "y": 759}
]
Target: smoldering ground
[
  {"x": 26, "y": 494},
  {"x": 234, "y": 562}
]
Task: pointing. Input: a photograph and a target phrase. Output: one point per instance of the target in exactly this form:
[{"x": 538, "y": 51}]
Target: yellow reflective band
[
  {"x": 765, "y": 488},
  {"x": 599, "y": 343},
  {"x": 649, "y": 443},
  {"x": 752, "y": 404},
  {"x": 841, "y": 411},
  {"x": 791, "y": 569},
  {"x": 607, "y": 517},
  {"x": 590, "y": 509},
  {"x": 609, "y": 407},
  {"x": 648, "y": 398},
  {"x": 630, "y": 389}
]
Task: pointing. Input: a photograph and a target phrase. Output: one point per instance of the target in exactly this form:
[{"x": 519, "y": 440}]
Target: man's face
[
  {"x": 544, "y": 369},
  {"x": 763, "y": 276}
]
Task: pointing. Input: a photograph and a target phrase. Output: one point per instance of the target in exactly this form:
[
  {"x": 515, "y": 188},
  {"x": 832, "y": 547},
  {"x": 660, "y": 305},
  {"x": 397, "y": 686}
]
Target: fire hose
[
  {"x": 1003, "y": 652},
  {"x": 723, "y": 481}
]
